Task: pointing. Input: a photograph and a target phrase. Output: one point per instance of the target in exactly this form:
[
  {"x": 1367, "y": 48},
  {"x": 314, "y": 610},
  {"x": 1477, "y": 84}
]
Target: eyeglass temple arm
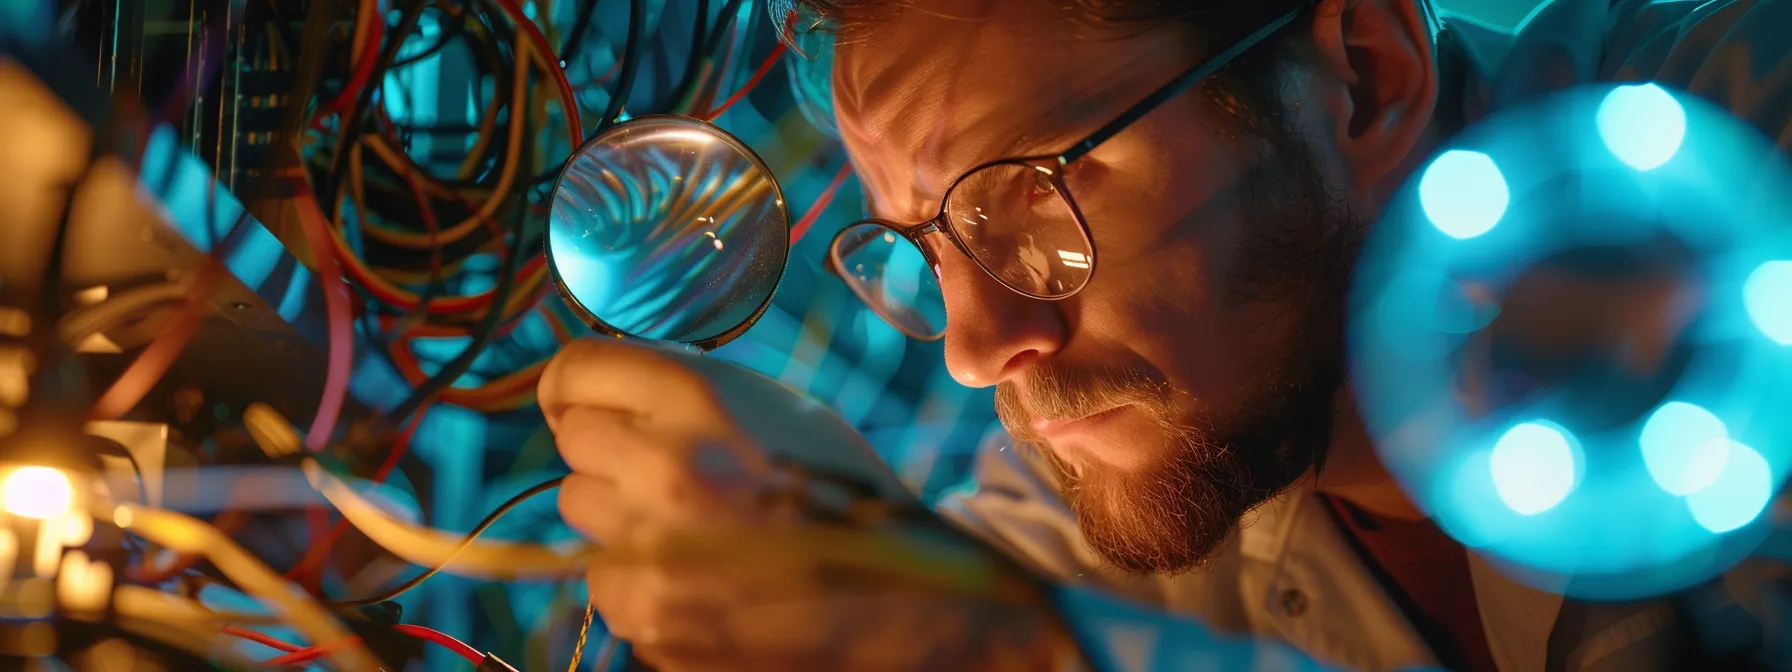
[{"x": 1176, "y": 87}]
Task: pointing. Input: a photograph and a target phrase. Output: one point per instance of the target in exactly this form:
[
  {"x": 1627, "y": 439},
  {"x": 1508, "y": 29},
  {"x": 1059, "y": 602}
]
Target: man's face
[{"x": 1195, "y": 376}]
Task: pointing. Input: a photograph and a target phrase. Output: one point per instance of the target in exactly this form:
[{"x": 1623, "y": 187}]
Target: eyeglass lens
[
  {"x": 1012, "y": 218},
  {"x": 890, "y": 274},
  {"x": 1016, "y": 222}
]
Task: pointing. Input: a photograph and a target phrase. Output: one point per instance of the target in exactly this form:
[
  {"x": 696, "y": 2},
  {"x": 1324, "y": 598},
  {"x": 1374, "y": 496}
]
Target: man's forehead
[{"x": 945, "y": 85}]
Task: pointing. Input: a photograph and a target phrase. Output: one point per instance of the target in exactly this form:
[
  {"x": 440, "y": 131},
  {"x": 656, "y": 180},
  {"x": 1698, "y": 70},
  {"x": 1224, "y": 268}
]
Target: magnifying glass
[{"x": 667, "y": 229}]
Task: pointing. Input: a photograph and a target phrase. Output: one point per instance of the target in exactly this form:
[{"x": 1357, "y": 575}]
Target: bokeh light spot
[
  {"x": 1642, "y": 125},
  {"x": 41, "y": 493},
  {"x": 1464, "y": 194},
  {"x": 1767, "y": 295},
  {"x": 1533, "y": 468},
  {"x": 1684, "y": 447},
  {"x": 1738, "y": 496}
]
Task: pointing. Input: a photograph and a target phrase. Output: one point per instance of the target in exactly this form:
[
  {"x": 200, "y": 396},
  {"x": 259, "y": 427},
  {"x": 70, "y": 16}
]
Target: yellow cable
[
  {"x": 184, "y": 534},
  {"x": 795, "y": 549},
  {"x": 433, "y": 548},
  {"x": 181, "y": 622},
  {"x": 486, "y": 120},
  {"x": 506, "y": 172}
]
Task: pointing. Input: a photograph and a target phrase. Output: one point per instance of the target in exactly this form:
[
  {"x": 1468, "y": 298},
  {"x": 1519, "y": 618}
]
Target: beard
[{"x": 1299, "y": 250}]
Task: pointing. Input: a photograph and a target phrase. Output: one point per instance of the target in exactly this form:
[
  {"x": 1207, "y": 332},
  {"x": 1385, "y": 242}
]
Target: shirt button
[{"x": 1294, "y": 602}]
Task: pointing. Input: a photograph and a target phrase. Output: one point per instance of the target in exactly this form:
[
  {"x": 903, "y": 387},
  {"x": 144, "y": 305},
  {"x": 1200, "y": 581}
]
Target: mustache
[{"x": 1065, "y": 393}]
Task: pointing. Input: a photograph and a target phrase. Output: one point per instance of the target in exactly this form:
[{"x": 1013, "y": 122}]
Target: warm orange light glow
[{"x": 40, "y": 493}]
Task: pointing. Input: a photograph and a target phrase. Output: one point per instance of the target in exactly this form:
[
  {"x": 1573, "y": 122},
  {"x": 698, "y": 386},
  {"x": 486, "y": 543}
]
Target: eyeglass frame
[{"x": 1052, "y": 166}]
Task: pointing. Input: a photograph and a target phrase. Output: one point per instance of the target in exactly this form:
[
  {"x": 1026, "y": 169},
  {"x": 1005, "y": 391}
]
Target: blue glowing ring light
[{"x": 1649, "y": 506}]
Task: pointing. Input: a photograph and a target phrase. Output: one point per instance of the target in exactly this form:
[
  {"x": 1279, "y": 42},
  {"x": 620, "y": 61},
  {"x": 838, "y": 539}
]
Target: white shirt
[{"x": 1290, "y": 574}]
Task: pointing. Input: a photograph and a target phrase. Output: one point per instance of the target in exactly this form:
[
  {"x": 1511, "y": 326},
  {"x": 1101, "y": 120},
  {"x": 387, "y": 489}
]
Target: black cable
[
  {"x": 694, "y": 62},
  {"x": 50, "y": 351},
  {"x": 488, "y": 59},
  {"x": 354, "y": 120},
  {"x": 729, "y": 11},
  {"x": 482, "y": 333},
  {"x": 490, "y": 519},
  {"x": 370, "y": 332},
  {"x": 282, "y": 27},
  {"x": 355, "y": 116},
  {"x": 631, "y": 60},
  {"x": 437, "y": 129},
  {"x": 51, "y": 284},
  {"x": 451, "y": 29},
  {"x": 625, "y": 80},
  {"x": 383, "y": 181},
  {"x": 575, "y": 40}
]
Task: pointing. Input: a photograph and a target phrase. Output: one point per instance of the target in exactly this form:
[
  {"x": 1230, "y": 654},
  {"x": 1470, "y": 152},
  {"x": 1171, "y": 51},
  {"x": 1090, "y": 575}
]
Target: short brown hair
[{"x": 1248, "y": 86}]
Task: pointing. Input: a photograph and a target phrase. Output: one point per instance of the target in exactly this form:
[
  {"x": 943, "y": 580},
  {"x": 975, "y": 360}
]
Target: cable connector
[{"x": 493, "y": 664}]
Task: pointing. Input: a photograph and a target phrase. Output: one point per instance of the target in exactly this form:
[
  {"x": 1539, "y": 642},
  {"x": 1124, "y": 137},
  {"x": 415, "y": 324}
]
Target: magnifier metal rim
[{"x": 706, "y": 344}]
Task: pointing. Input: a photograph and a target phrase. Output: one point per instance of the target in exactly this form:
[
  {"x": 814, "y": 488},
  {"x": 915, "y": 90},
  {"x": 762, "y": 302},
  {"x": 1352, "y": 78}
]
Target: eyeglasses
[{"x": 1015, "y": 217}]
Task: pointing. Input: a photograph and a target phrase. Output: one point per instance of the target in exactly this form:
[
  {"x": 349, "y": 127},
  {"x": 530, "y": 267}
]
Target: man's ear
[{"x": 1377, "y": 76}]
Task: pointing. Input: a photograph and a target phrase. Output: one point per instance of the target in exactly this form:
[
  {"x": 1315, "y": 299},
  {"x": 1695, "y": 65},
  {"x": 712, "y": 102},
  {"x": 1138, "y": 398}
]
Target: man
[{"x": 1193, "y": 384}]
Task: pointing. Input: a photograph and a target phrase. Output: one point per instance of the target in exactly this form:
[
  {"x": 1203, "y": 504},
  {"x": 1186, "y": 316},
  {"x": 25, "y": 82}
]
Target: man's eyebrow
[
  {"x": 1041, "y": 139},
  {"x": 1061, "y": 126}
]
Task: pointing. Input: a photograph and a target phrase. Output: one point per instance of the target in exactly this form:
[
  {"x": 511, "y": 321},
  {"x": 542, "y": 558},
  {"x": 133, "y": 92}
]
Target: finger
[
  {"x": 652, "y": 605},
  {"x": 887, "y": 629},
  {"x": 670, "y": 658},
  {"x": 634, "y": 379},
  {"x": 592, "y": 506},
  {"x": 599, "y": 442},
  {"x": 666, "y": 474},
  {"x": 615, "y": 594}
]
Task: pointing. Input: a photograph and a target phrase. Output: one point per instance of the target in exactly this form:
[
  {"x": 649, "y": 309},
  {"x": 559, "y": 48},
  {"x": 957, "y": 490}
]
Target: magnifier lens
[{"x": 667, "y": 228}]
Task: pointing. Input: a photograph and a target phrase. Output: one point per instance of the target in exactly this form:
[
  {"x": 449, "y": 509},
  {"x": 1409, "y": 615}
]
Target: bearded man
[{"x": 1179, "y": 427}]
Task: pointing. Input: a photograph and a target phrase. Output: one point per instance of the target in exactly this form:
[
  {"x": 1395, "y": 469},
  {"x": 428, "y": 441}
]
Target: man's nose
[{"x": 992, "y": 333}]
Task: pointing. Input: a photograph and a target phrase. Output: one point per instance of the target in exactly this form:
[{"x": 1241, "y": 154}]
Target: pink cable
[{"x": 341, "y": 323}]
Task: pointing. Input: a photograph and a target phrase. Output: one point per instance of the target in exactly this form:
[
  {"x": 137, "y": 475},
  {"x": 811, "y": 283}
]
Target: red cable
[
  {"x": 400, "y": 446},
  {"x": 446, "y": 641},
  {"x": 376, "y": 29},
  {"x": 159, "y": 356},
  {"x": 261, "y": 638},
  {"x": 341, "y": 329},
  {"x": 428, "y": 211},
  {"x": 820, "y": 206},
  {"x": 300, "y": 656},
  {"x": 436, "y": 637},
  {"x": 770, "y": 60},
  {"x": 308, "y": 653},
  {"x": 341, "y": 324},
  {"x": 569, "y": 101}
]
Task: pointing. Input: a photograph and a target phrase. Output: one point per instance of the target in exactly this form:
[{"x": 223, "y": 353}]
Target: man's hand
[{"x": 712, "y": 565}]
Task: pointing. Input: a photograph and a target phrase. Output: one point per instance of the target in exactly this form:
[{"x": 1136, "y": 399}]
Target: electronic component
[{"x": 229, "y": 76}]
